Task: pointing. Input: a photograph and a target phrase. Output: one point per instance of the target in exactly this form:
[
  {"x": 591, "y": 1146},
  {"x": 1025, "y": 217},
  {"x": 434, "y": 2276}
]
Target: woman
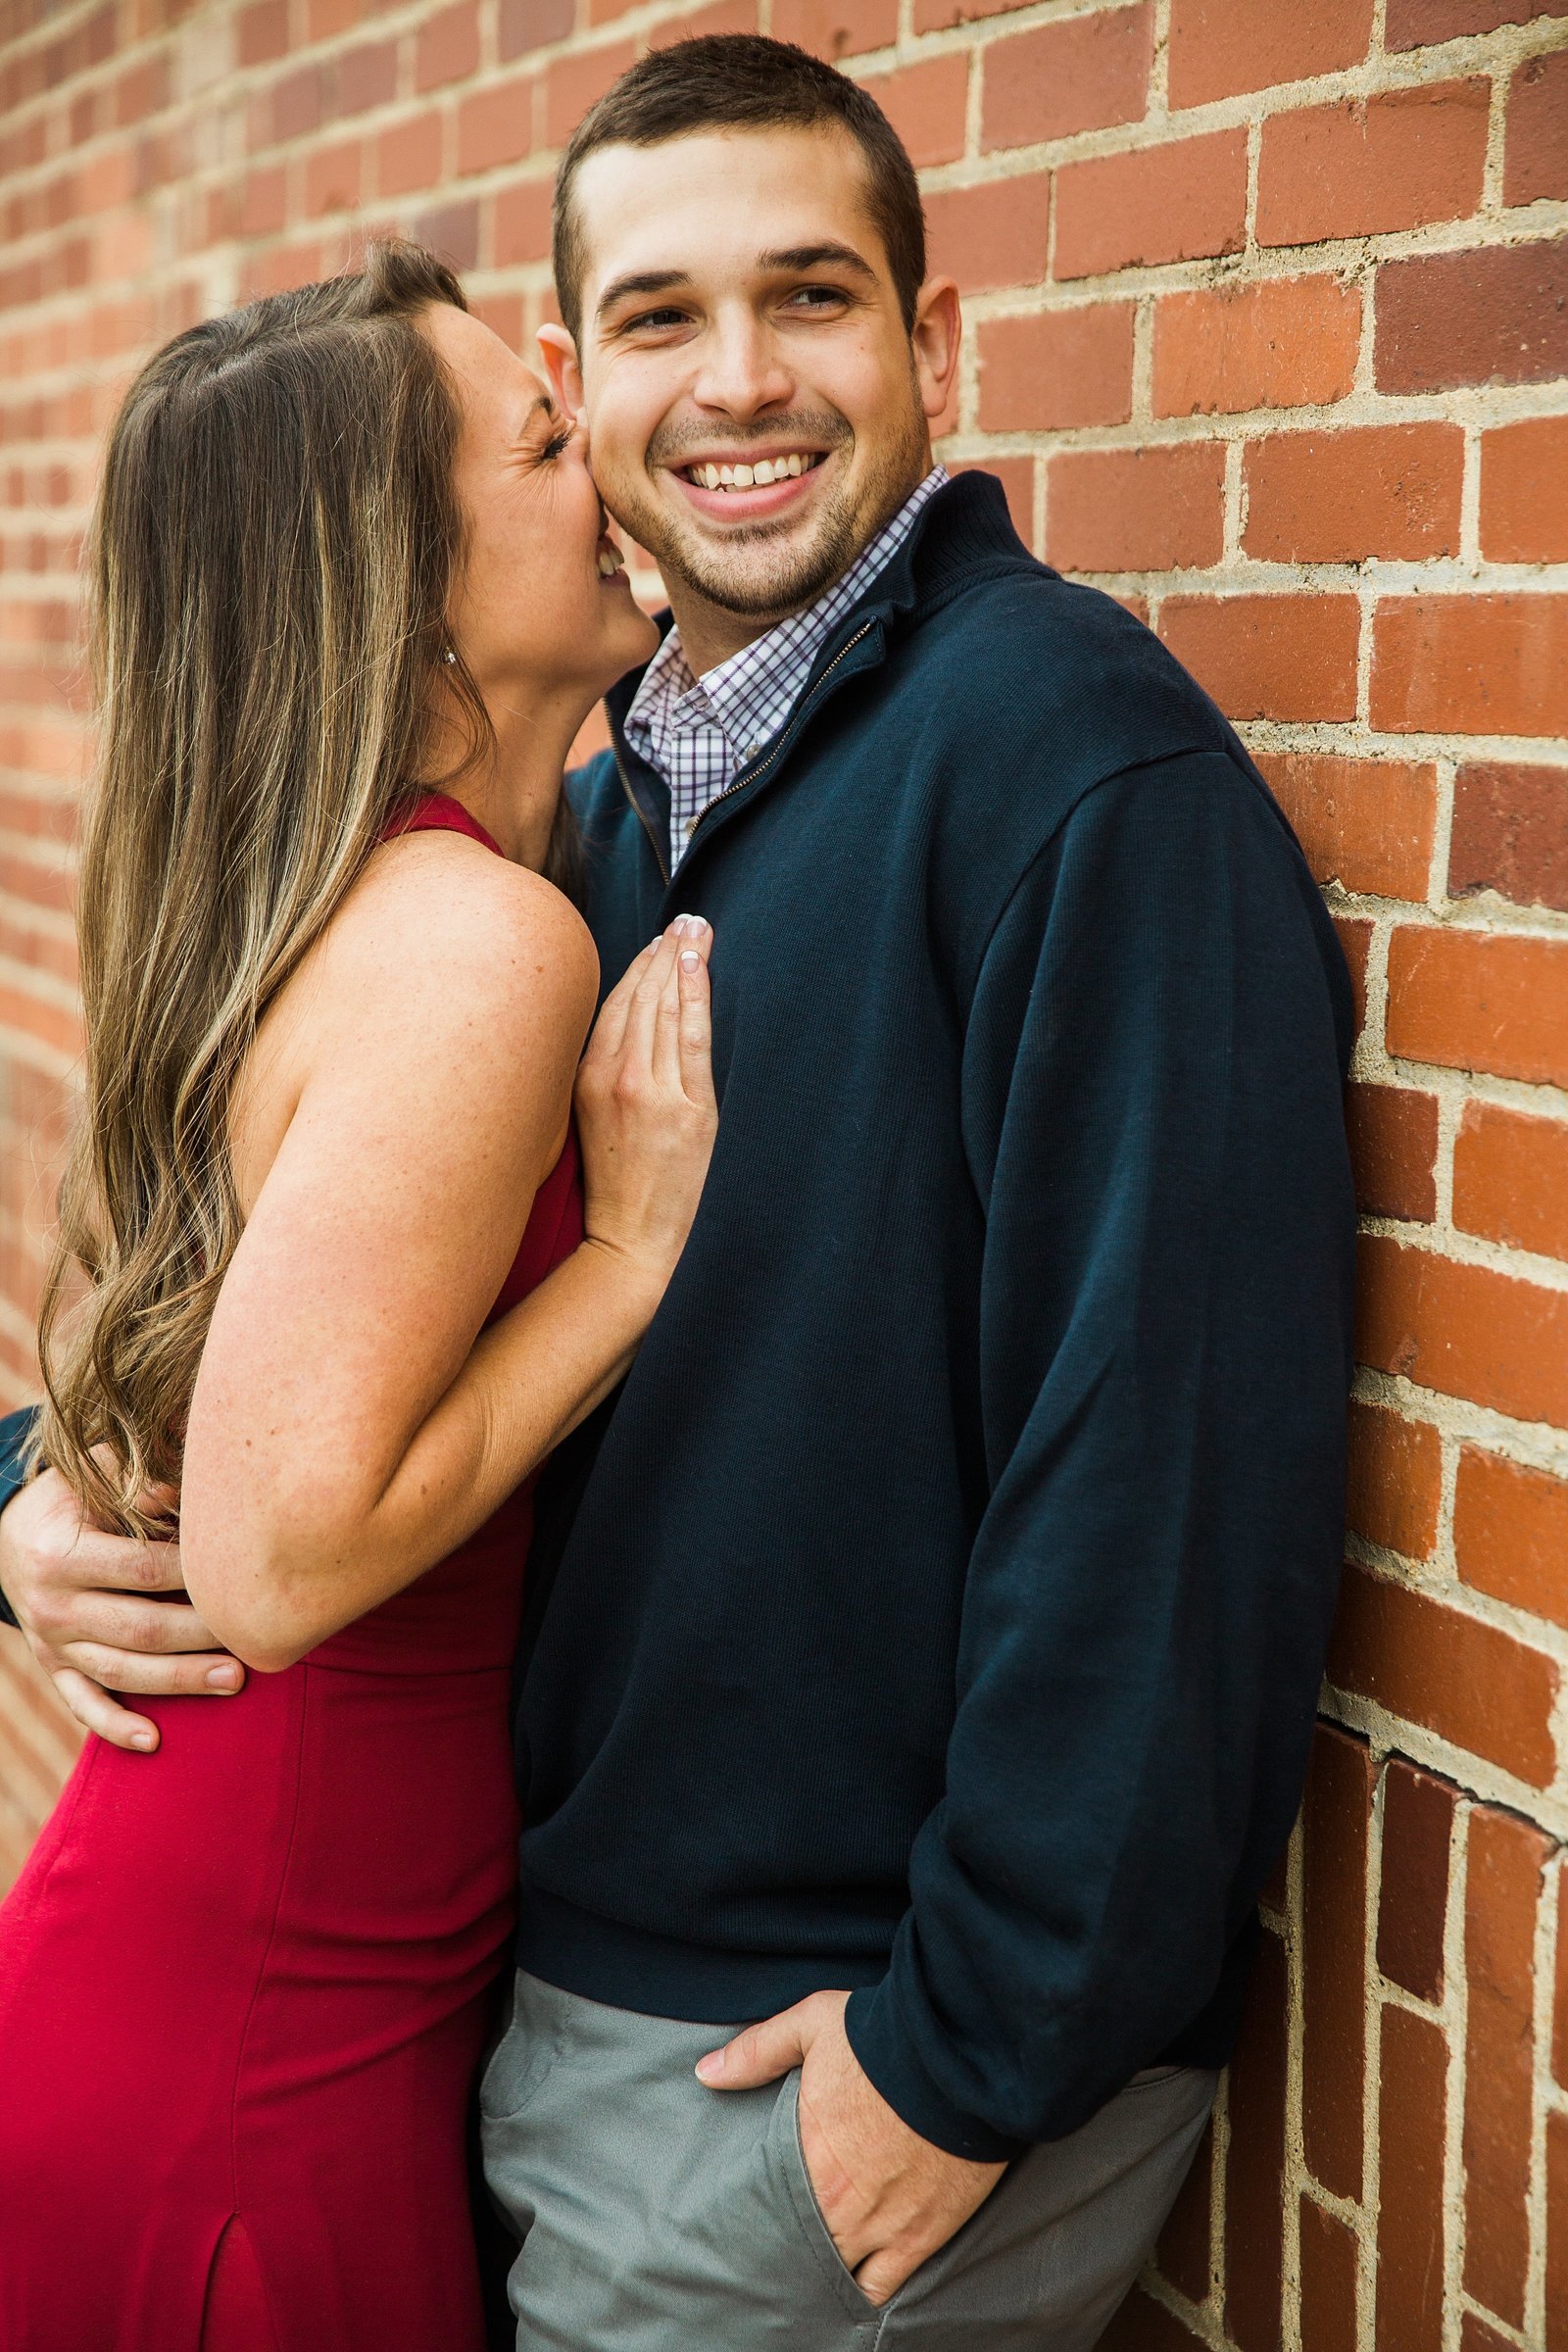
[{"x": 343, "y": 1294}]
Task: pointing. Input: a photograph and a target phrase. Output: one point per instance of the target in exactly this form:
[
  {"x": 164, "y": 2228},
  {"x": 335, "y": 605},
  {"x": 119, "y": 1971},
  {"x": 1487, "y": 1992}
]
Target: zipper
[
  {"x": 661, "y": 855},
  {"x": 783, "y": 742}
]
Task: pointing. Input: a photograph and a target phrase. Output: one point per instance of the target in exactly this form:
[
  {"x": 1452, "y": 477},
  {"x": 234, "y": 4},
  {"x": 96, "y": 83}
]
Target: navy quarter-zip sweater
[{"x": 939, "y": 1608}]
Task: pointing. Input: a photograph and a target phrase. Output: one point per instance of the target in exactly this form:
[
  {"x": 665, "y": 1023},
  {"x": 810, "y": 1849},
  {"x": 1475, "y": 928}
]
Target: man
[{"x": 922, "y": 1649}]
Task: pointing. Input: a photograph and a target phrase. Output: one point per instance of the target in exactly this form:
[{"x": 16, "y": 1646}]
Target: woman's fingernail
[
  {"x": 690, "y": 961},
  {"x": 223, "y": 1677},
  {"x": 143, "y": 1741}
]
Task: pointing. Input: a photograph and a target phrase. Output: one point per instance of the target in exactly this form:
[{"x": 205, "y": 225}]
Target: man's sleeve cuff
[{"x": 883, "y": 2048}]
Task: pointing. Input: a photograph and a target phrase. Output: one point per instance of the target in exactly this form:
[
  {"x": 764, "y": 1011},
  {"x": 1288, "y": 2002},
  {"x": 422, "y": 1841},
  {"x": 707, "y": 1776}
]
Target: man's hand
[
  {"x": 889, "y": 2197},
  {"x": 79, "y": 1598}
]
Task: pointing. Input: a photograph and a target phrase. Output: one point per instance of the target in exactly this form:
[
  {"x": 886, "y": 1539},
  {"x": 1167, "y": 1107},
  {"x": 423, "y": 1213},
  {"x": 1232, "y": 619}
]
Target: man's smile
[{"x": 733, "y": 486}]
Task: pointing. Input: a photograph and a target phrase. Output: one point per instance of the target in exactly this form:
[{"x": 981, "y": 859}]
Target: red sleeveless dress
[{"x": 244, "y": 1982}]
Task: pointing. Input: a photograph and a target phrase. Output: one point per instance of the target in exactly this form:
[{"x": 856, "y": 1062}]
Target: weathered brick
[
  {"x": 573, "y": 83},
  {"x": 408, "y": 156},
  {"x": 1510, "y": 833},
  {"x": 1524, "y": 490},
  {"x": 1471, "y": 1001},
  {"x": 1057, "y": 368},
  {"x": 524, "y": 25},
  {"x": 1510, "y": 1535},
  {"x": 1141, "y": 2324},
  {"x": 1471, "y": 664},
  {"x": 1285, "y": 343},
  {"x": 495, "y": 125},
  {"x": 1418, "y": 1812},
  {"x": 1412, "y": 2106},
  {"x": 1464, "y": 1330},
  {"x": 835, "y": 28},
  {"x": 926, "y": 105},
  {"x": 446, "y": 46},
  {"x": 1079, "y": 75},
  {"x": 1136, "y": 510},
  {"x": 1508, "y": 1860},
  {"x": 1557, "y": 2231},
  {"x": 1392, "y": 1134},
  {"x": 363, "y": 78},
  {"x": 1174, "y": 203},
  {"x": 332, "y": 177},
  {"x": 1219, "y": 48},
  {"x": 522, "y": 223},
  {"x": 1366, "y": 823},
  {"x": 1354, "y": 934},
  {"x": 1338, "y": 1814},
  {"x": 996, "y": 234},
  {"x": 1255, "y": 2170},
  {"x": 1393, "y": 160},
  {"x": 1416, "y": 23},
  {"x": 1395, "y": 1477},
  {"x": 1510, "y": 1179},
  {"x": 1338, "y": 496},
  {"x": 1495, "y": 316},
  {"x": 1268, "y": 657},
  {"x": 1536, "y": 157},
  {"x": 1330, "y": 2259}
]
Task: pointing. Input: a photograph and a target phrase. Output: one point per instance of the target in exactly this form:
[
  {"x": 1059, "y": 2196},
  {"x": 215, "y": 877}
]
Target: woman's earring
[{"x": 449, "y": 655}]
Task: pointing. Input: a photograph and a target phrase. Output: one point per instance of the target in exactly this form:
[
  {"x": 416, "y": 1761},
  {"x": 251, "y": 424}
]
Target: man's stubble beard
[{"x": 748, "y": 576}]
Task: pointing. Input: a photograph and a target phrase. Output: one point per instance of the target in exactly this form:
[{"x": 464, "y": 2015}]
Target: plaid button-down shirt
[{"x": 697, "y": 733}]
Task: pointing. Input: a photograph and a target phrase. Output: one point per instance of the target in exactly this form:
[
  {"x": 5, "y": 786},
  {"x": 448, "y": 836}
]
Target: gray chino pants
[{"x": 658, "y": 2216}]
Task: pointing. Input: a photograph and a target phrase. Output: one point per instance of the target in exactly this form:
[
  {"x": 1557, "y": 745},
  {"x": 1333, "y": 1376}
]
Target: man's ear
[
  {"x": 559, "y": 354},
  {"x": 936, "y": 334}
]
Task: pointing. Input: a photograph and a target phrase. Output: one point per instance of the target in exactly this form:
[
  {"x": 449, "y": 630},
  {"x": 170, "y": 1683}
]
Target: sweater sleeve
[
  {"x": 15, "y": 1431},
  {"x": 1153, "y": 1104}
]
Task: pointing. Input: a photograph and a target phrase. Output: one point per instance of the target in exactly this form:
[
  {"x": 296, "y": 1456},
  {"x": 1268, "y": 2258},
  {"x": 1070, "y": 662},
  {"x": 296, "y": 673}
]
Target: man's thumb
[{"x": 759, "y": 2055}]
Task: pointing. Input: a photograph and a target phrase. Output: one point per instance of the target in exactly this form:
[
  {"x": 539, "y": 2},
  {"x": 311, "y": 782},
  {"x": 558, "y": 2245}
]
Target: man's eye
[
  {"x": 656, "y": 320},
  {"x": 816, "y": 298}
]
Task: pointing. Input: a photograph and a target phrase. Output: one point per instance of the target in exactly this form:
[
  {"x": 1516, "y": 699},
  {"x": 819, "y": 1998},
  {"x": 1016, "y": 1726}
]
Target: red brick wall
[{"x": 1268, "y": 331}]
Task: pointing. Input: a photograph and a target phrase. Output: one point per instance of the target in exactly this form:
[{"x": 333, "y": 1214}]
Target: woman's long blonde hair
[{"x": 275, "y": 542}]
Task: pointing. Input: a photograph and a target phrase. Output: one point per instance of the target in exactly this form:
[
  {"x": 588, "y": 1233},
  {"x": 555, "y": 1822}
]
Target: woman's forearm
[{"x": 530, "y": 1378}]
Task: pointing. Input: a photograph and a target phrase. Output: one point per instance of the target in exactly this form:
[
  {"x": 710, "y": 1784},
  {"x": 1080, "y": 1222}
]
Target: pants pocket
[
  {"x": 789, "y": 2163},
  {"x": 519, "y": 2066}
]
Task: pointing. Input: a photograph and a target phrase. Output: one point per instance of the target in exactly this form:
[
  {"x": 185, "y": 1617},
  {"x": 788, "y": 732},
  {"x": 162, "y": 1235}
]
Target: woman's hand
[{"x": 646, "y": 1110}]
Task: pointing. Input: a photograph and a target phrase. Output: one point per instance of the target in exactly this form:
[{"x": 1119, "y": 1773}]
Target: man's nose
[{"x": 742, "y": 371}]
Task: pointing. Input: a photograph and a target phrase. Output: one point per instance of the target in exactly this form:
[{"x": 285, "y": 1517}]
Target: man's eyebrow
[
  {"x": 640, "y": 281},
  {"x": 792, "y": 258}
]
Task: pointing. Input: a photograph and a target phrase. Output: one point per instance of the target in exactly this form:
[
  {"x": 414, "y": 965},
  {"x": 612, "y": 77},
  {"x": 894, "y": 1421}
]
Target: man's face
[{"x": 738, "y": 313}]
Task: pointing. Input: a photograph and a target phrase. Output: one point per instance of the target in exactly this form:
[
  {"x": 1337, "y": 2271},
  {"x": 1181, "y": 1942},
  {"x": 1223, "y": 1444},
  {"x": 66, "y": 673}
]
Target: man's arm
[
  {"x": 1152, "y": 1081},
  {"x": 87, "y": 1605}
]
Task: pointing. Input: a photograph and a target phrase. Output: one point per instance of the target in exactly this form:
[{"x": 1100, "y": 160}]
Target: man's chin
[{"x": 759, "y": 576}]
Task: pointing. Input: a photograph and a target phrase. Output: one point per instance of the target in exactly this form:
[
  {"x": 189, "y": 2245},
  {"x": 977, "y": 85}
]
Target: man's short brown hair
[{"x": 742, "y": 82}]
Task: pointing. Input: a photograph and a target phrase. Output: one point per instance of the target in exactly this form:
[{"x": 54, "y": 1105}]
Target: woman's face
[{"x": 544, "y": 611}]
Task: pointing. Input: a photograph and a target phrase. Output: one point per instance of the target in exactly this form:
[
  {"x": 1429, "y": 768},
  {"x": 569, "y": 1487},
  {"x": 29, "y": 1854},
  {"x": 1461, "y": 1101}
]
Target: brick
[
  {"x": 573, "y": 84},
  {"x": 452, "y": 231},
  {"x": 1510, "y": 1535},
  {"x": 1183, "y": 2251},
  {"x": 1467, "y": 1681},
  {"x": 721, "y": 16},
  {"x": 1082, "y": 74},
  {"x": 1559, "y": 2025},
  {"x": 1476, "y": 2337},
  {"x": 1496, "y": 315},
  {"x": 1506, "y": 1866},
  {"x": 363, "y": 77},
  {"x": 1510, "y": 833},
  {"x": 521, "y": 231},
  {"x": 1339, "y": 496},
  {"x": 1141, "y": 2324},
  {"x": 1393, "y": 1133},
  {"x": 1556, "y": 2232},
  {"x": 524, "y": 25},
  {"x": 1291, "y": 342},
  {"x": 1524, "y": 490},
  {"x": 1255, "y": 2169},
  {"x": 1334, "y": 1931},
  {"x": 1469, "y": 1001},
  {"x": 261, "y": 31},
  {"x": 1413, "y": 1888},
  {"x": 926, "y": 105},
  {"x": 1412, "y": 2105},
  {"x": 994, "y": 236},
  {"x": 1418, "y": 24},
  {"x": 1395, "y": 161},
  {"x": 1268, "y": 657},
  {"x": 1365, "y": 824},
  {"x": 1464, "y": 1330},
  {"x": 1395, "y": 1475},
  {"x": 1536, "y": 157},
  {"x": 446, "y": 46},
  {"x": 835, "y": 28},
  {"x": 1180, "y": 202},
  {"x": 1471, "y": 664},
  {"x": 1330, "y": 2259},
  {"x": 1221, "y": 47},
  {"x": 408, "y": 156},
  {"x": 332, "y": 177},
  {"x": 1057, "y": 368},
  {"x": 1136, "y": 510},
  {"x": 1510, "y": 1179},
  {"x": 495, "y": 125}
]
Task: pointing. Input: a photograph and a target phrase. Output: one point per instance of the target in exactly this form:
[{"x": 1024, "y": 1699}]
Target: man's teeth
[{"x": 759, "y": 476}]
